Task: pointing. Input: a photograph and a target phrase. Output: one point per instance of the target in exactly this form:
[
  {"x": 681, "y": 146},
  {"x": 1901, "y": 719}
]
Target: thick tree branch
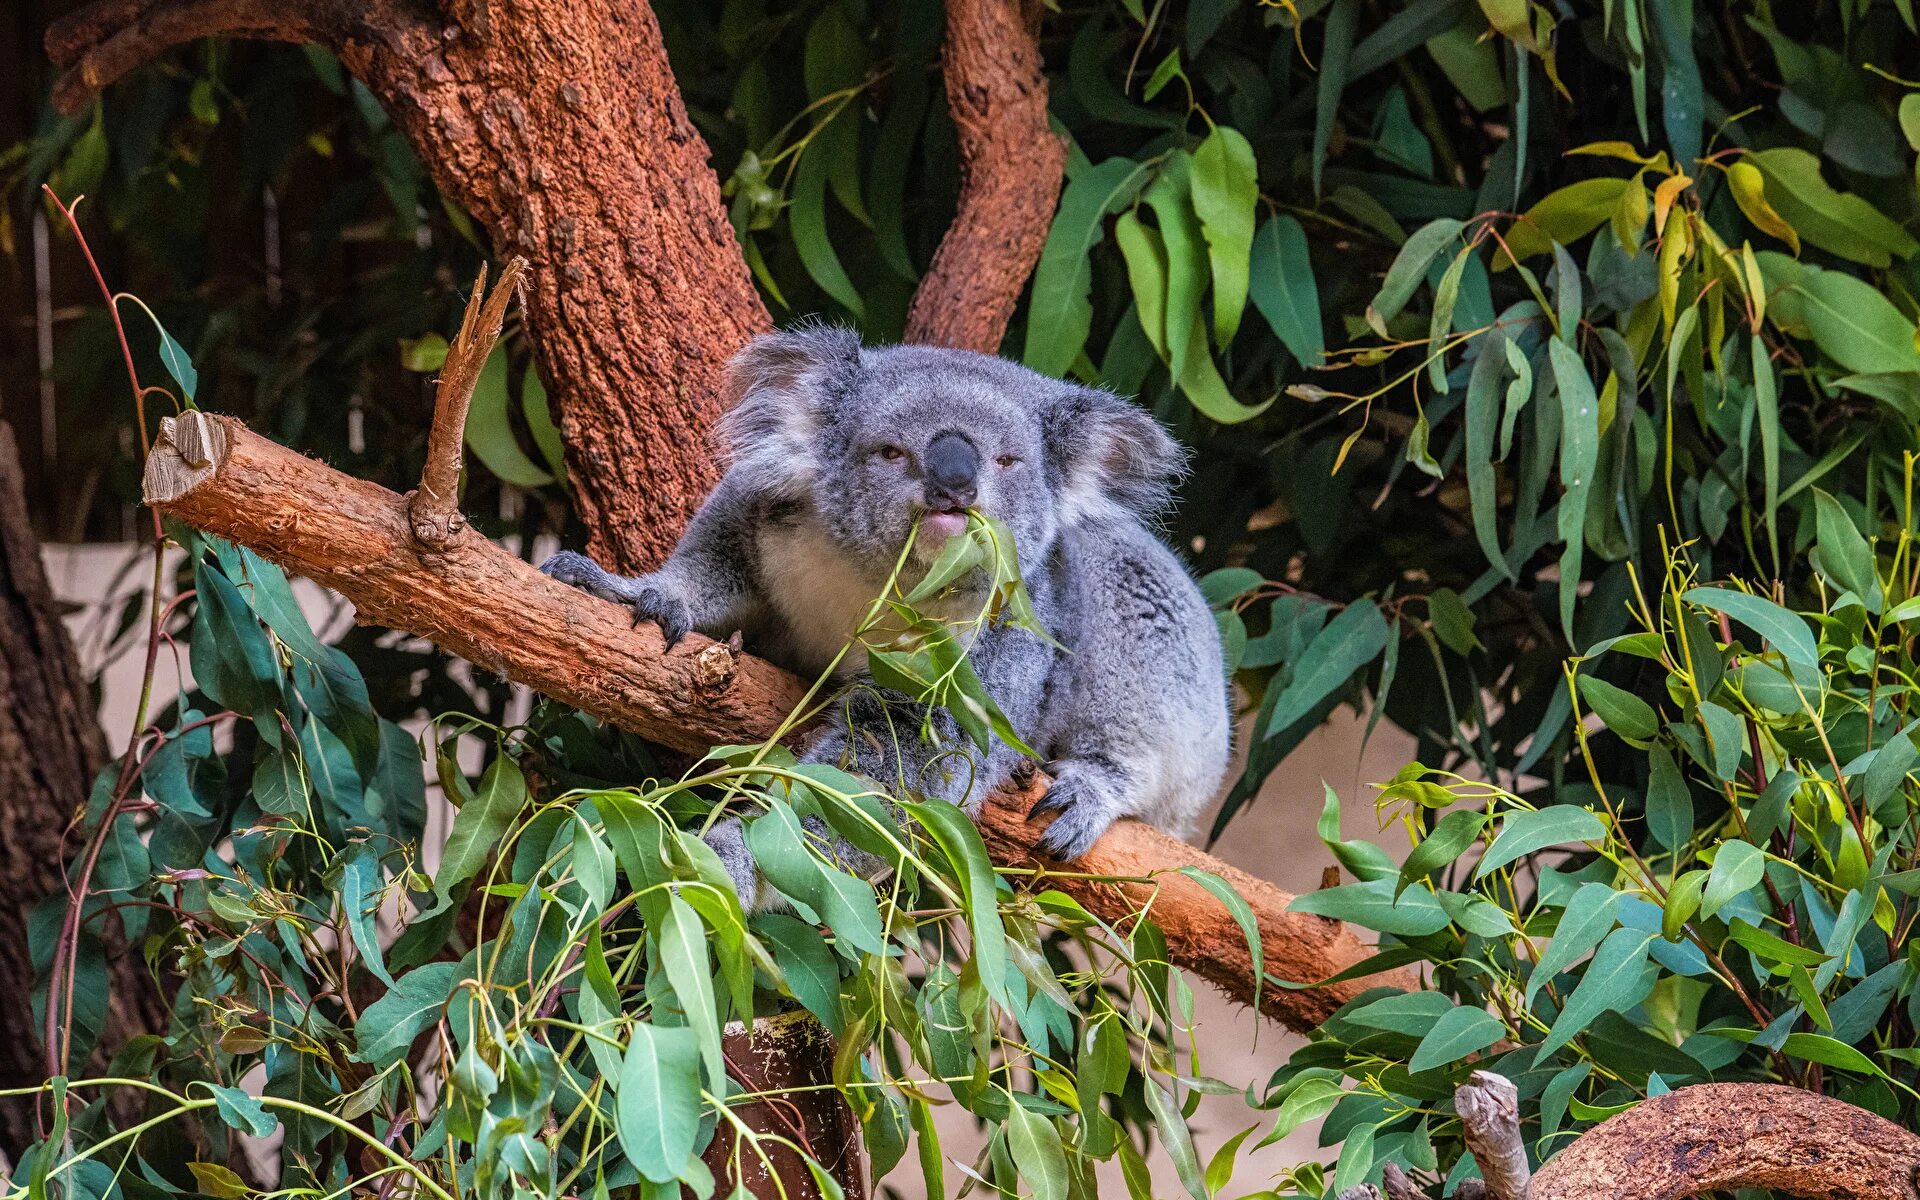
[
  {"x": 1010, "y": 163},
  {"x": 478, "y": 601},
  {"x": 1721, "y": 1136}
]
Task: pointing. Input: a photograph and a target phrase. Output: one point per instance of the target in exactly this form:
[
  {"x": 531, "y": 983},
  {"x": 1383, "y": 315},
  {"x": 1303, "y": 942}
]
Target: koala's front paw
[
  {"x": 649, "y": 599},
  {"x": 664, "y": 609},
  {"x": 728, "y": 841},
  {"x": 1084, "y": 812},
  {"x": 577, "y": 570}
]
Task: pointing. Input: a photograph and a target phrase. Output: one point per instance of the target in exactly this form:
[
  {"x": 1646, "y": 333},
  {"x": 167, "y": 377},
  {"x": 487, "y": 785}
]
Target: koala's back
[{"x": 1145, "y": 669}]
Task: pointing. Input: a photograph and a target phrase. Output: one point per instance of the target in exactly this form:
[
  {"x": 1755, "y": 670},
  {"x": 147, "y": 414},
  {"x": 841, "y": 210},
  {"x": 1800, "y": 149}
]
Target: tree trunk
[{"x": 50, "y": 747}]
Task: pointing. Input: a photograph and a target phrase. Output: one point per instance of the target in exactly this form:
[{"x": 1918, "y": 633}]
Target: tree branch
[
  {"x": 1717, "y": 1137},
  {"x": 1010, "y": 168},
  {"x": 478, "y": 601},
  {"x": 434, "y": 509}
]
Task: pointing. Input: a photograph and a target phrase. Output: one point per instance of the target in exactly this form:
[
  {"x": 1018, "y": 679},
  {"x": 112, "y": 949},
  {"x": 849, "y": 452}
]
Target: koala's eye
[
  {"x": 891, "y": 453},
  {"x": 1008, "y": 460}
]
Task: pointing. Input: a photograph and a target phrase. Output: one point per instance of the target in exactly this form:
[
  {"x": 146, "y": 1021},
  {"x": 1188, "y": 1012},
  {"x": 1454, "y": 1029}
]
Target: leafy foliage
[{"x": 1740, "y": 907}]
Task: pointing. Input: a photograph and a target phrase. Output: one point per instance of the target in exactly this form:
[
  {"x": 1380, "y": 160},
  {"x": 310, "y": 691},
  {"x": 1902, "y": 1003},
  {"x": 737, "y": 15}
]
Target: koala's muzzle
[{"x": 953, "y": 472}]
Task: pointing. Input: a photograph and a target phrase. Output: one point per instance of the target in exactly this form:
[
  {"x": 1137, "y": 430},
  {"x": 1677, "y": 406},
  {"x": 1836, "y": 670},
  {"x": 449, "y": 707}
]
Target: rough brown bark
[
  {"x": 559, "y": 127},
  {"x": 50, "y": 746},
  {"x": 489, "y": 607},
  {"x": 1010, "y": 168},
  {"x": 1720, "y": 1136},
  {"x": 789, "y": 1052}
]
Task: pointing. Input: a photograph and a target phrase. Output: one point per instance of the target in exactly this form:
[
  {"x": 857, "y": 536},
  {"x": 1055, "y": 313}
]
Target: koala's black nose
[{"x": 953, "y": 471}]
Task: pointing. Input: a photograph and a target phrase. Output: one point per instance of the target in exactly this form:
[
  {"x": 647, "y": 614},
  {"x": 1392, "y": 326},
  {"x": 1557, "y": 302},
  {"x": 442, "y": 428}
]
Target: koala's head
[{"x": 876, "y": 438}]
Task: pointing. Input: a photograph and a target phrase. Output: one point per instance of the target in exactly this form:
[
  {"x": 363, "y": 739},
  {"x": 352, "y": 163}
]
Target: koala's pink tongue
[{"x": 939, "y": 526}]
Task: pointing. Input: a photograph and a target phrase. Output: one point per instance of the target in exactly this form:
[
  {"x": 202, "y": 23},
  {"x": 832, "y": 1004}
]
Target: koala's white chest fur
[{"x": 820, "y": 596}]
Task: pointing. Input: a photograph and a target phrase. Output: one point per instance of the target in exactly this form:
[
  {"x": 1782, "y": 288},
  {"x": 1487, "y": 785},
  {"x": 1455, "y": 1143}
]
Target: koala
[{"x": 835, "y": 451}]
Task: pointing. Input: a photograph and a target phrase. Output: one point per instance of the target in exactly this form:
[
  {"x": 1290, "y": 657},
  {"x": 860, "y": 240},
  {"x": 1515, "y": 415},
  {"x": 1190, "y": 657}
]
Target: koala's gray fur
[{"x": 802, "y": 532}]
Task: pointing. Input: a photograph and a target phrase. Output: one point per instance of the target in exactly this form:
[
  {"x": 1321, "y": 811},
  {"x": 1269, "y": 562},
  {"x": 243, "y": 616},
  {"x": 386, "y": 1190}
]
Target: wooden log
[
  {"x": 1717, "y": 1137},
  {"x": 474, "y": 599}
]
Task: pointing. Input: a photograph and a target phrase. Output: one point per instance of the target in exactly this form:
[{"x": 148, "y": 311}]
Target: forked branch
[{"x": 434, "y": 509}]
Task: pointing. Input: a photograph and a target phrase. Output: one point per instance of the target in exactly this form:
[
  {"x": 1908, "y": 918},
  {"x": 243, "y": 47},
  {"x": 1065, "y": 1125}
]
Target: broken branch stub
[
  {"x": 434, "y": 509},
  {"x": 1489, "y": 1108},
  {"x": 476, "y": 600}
]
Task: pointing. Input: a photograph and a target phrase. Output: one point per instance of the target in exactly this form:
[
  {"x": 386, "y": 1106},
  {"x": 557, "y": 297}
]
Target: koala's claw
[{"x": 670, "y": 614}]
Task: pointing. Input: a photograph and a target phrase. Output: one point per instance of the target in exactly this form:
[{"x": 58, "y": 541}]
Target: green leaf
[
  {"x": 1773, "y": 949},
  {"x": 174, "y": 357},
  {"x": 683, "y": 953},
  {"x": 1225, "y": 190},
  {"x": 1525, "y": 832},
  {"x": 278, "y": 785},
  {"x": 1727, "y": 736},
  {"x": 1855, "y": 324},
  {"x": 1059, "y": 314},
  {"x": 1242, "y": 915},
  {"x": 1411, "y": 1013},
  {"x": 241, "y": 1111},
  {"x": 807, "y": 221},
  {"x": 1819, "y": 1048},
  {"x": 1482, "y": 418},
  {"x": 812, "y": 975},
  {"x": 1624, "y": 713},
  {"x": 1585, "y": 921},
  {"x": 1454, "y": 1036},
  {"x": 1563, "y": 216},
  {"x": 1334, "y": 53},
  {"x": 1440, "y": 848},
  {"x": 1372, "y": 905},
  {"x": 1844, "y": 557},
  {"x": 490, "y": 436},
  {"x": 1409, "y": 270},
  {"x": 1579, "y": 459},
  {"x": 1783, "y": 630},
  {"x": 540, "y": 423},
  {"x": 1440, "y": 322},
  {"x": 1614, "y": 981},
  {"x": 1669, "y": 800},
  {"x": 658, "y": 1103},
  {"x": 222, "y": 1183},
  {"x": 1839, "y": 222},
  {"x": 1175, "y": 1140},
  {"x": 1220, "y": 1166},
  {"x": 1281, "y": 282},
  {"x": 387, "y": 1027},
  {"x": 1036, "y": 1149},
  {"x": 1348, "y": 643},
  {"x": 361, "y": 883},
  {"x": 481, "y": 823},
  {"x": 959, "y": 839},
  {"x": 1738, "y": 868}
]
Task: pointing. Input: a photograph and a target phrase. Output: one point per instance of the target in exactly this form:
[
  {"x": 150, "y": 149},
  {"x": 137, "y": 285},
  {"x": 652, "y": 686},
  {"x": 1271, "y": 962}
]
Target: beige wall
[{"x": 1274, "y": 839}]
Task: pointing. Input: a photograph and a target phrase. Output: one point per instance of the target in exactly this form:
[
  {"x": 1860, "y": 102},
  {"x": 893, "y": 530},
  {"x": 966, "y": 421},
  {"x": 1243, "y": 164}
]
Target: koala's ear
[
  {"x": 1108, "y": 452},
  {"x": 778, "y": 390}
]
